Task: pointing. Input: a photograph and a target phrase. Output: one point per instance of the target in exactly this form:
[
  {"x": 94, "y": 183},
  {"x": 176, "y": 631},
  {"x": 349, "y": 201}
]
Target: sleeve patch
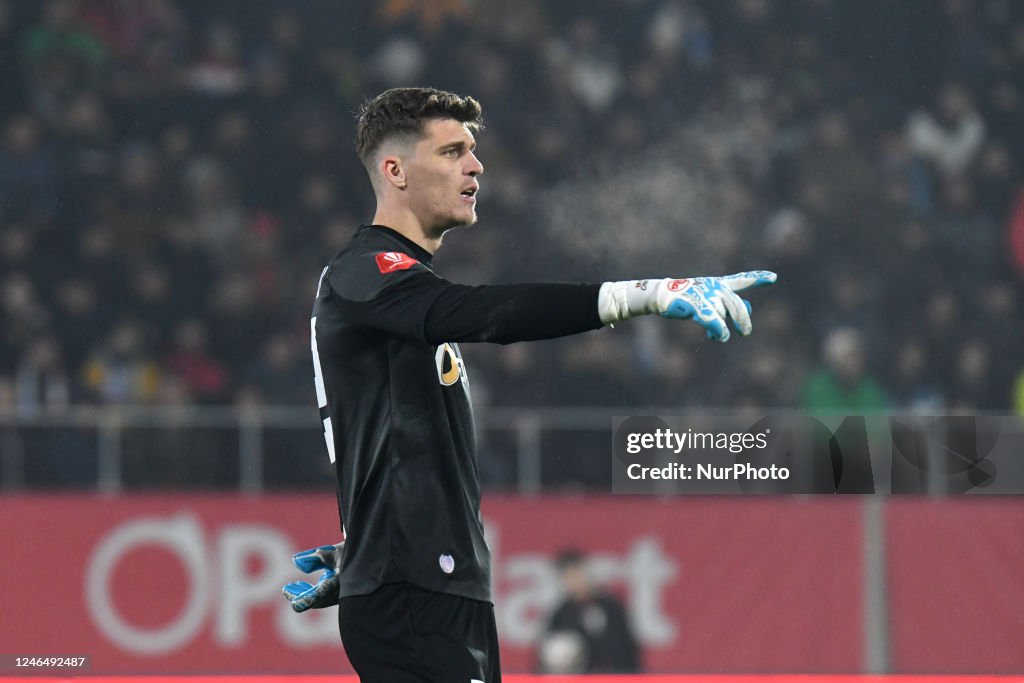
[{"x": 392, "y": 261}]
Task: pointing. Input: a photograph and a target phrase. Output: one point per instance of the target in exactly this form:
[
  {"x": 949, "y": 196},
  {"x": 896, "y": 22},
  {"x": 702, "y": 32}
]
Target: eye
[{"x": 453, "y": 153}]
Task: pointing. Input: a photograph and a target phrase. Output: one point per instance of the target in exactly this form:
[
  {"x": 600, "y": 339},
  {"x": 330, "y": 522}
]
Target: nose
[{"x": 475, "y": 167}]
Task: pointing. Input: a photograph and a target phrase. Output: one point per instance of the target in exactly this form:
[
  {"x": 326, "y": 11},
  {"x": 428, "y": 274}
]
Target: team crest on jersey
[
  {"x": 447, "y": 563},
  {"x": 450, "y": 368},
  {"x": 392, "y": 261}
]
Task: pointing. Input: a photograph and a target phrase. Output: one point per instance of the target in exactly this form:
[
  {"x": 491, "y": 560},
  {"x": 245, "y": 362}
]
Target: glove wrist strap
[{"x": 627, "y": 299}]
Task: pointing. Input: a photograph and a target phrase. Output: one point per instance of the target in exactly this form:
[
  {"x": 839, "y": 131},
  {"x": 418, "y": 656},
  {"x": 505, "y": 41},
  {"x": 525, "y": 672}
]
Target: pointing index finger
[{"x": 749, "y": 279}]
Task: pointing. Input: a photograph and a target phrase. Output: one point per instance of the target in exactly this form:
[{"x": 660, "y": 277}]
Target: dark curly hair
[{"x": 405, "y": 112}]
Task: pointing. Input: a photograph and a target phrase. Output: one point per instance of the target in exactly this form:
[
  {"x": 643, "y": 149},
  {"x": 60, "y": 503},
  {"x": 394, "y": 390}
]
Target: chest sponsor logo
[{"x": 392, "y": 261}]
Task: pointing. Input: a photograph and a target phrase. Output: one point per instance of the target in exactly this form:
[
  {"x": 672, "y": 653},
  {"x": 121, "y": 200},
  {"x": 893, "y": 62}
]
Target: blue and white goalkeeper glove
[
  {"x": 707, "y": 300},
  {"x": 304, "y": 595}
]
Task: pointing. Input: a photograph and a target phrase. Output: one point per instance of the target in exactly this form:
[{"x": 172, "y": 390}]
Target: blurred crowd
[{"x": 174, "y": 174}]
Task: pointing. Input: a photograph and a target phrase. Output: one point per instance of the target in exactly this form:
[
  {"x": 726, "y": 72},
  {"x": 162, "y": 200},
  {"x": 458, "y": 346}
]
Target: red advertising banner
[
  {"x": 956, "y": 585},
  {"x": 191, "y": 584}
]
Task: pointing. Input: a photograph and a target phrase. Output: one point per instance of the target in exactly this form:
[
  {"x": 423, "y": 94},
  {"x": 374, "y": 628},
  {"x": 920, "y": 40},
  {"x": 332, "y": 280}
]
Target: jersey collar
[{"x": 417, "y": 252}]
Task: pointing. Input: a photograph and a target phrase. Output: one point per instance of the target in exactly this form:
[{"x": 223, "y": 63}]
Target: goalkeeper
[{"x": 412, "y": 578}]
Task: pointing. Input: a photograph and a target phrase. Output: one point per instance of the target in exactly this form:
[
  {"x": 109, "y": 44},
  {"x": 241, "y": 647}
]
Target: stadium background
[{"x": 174, "y": 174}]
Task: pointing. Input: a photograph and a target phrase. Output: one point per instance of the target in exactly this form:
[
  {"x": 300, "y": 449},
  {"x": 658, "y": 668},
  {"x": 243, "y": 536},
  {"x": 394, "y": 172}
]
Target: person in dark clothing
[
  {"x": 588, "y": 632},
  {"x": 394, "y": 397}
]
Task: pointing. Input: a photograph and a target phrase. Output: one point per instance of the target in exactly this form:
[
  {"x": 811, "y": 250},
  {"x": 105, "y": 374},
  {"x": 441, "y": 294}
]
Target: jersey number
[{"x": 318, "y": 377}]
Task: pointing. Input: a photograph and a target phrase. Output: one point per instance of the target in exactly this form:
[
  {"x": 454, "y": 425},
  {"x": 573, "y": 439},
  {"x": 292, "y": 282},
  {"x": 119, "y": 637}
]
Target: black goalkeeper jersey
[{"x": 395, "y": 404}]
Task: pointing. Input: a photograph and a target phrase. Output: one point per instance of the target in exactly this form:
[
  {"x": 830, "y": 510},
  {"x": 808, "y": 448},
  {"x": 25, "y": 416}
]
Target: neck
[{"x": 406, "y": 223}]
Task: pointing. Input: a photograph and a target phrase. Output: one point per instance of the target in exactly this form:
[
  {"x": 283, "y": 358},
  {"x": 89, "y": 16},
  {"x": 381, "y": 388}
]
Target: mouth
[{"x": 469, "y": 194}]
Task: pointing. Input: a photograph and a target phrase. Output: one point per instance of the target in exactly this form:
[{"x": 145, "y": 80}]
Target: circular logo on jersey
[
  {"x": 676, "y": 285},
  {"x": 447, "y": 563}
]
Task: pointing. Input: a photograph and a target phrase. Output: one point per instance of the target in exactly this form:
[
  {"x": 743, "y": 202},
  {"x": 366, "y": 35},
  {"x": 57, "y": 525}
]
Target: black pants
[{"x": 404, "y": 634}]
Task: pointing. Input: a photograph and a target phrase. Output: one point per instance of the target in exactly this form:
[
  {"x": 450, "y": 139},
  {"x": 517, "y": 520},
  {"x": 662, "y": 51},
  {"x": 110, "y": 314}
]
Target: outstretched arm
[
  {"x": 511, "y": 313},
  {"x": 416, "y": 303}
]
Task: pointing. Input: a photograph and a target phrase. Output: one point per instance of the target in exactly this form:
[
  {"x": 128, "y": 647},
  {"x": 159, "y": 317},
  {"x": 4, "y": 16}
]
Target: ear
[{"x": 393, "y": 171}]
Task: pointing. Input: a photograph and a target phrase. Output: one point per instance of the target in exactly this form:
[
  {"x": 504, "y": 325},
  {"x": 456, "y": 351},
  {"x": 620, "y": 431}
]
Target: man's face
[
  {"x": 442, "y": 176},
  {"x": 576, "y": 581}
]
